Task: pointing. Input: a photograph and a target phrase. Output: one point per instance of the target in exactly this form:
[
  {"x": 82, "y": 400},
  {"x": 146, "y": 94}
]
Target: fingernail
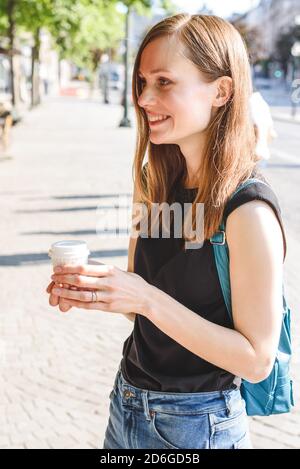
[
  {"x": 57, "y": 269},
  {"x": 56, "y": 290}
]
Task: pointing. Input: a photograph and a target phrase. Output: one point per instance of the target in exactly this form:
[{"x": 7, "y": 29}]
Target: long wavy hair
[{"x": 216, "y": 48}]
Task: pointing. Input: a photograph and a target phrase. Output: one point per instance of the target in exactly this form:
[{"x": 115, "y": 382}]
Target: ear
[{"x": 223, "y": 91}]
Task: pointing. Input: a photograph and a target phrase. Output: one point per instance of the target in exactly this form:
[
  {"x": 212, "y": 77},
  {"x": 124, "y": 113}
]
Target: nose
[{"x": 146, "y": 98}]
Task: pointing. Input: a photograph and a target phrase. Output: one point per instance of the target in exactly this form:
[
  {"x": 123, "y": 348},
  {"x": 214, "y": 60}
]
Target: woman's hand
[
  {"x": 117, "y": 290},
  {"x": 54, "y": 300}
]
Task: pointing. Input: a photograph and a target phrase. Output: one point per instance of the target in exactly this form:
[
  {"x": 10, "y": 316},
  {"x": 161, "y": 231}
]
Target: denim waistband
[{"x": 176, "y": 403}]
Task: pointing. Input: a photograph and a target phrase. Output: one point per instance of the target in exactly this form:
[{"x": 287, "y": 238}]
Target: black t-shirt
[{"x": 151, "y": 359}]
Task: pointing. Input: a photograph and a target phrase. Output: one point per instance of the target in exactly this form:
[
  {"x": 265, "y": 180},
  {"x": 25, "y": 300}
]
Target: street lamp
[{"x": 125, "y": 122}]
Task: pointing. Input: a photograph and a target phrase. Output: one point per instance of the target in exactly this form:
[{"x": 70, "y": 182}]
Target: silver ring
[{"x": 95, "y": 296}]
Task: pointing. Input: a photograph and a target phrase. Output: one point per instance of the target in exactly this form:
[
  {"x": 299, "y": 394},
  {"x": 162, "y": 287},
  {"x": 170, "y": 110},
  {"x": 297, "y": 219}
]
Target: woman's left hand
[{"x": 117, "y": 290}]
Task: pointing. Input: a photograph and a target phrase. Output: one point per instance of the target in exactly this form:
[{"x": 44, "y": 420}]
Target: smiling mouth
[{"x": 158, "y": 122}]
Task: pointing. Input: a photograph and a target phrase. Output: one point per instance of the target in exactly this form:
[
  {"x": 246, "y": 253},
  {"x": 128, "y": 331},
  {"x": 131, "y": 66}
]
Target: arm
[
  {"x": 256, "y": 252},
  {"x": 131, "y": 251}
]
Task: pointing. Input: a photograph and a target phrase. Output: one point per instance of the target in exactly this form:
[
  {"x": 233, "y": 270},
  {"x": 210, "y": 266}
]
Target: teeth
[{"x": 156, "y": 118}]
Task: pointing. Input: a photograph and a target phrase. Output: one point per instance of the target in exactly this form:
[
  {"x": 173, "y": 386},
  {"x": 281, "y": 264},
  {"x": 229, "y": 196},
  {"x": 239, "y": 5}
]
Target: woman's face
[{"x": 179, "y": 93}]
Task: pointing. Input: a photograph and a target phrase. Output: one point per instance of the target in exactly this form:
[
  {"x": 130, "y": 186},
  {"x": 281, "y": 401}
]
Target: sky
[{"x": 222, "y": 8}]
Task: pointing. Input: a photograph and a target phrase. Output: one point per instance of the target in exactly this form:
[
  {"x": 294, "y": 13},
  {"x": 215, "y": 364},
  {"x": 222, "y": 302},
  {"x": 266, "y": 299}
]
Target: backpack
[{"x": 273, "y": 395}]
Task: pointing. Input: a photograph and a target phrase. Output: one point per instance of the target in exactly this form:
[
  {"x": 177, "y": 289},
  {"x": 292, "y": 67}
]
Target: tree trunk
[
  {"x": 59, "y": 72},
  {"x": 96, "y": 57},
  {"x": 125, "y": 122},
  {"x": 11, "y": 4},
  {"x": 35, "y": 77}
]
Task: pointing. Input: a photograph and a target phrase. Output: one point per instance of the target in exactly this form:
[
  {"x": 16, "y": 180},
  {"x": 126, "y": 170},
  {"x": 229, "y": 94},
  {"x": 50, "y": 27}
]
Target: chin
[{"x": 158, "y": 140}]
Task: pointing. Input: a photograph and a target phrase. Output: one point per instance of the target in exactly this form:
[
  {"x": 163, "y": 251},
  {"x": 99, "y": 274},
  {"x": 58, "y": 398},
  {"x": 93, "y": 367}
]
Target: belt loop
[
  {"x": 145, "y": 402},
  {"x": 227, "y": 398}
]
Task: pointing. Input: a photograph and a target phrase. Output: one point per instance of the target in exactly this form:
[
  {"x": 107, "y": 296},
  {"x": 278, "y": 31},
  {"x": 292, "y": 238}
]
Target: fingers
[
  {"x": 63, "y": 304},
  {"x": 100, "y": 305},
  {"x": 51, "y": 285},
  {"x": 83, "y": 295},
  {"x": 54, "y": 300},
  {"x": 73, "y": 294},
  {"x": 86, "y": 269},
  {"x": 81, "y": 281},
  {"x": 49, "y": 288}
]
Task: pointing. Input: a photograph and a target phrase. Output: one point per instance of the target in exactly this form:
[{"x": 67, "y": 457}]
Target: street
[{"x": 69, "y": 164}]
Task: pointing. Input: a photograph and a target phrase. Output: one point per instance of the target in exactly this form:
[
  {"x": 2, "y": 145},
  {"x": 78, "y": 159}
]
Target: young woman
[{"x": 177, "y": 385}]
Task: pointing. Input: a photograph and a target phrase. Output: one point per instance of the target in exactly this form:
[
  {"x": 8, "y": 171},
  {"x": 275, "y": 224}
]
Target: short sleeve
[{"x": 257, "y": 191}]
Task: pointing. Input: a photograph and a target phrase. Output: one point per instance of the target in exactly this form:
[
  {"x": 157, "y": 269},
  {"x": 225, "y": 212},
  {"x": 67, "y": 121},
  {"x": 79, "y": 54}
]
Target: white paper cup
[{"x": 69, "y": 252}]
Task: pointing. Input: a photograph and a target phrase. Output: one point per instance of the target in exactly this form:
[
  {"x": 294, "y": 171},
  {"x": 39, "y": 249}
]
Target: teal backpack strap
[{"x": 218, "y": 240}]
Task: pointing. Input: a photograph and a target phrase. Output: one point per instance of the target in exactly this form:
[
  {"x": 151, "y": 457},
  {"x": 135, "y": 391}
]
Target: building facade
[{"x": 270, "y": 19}]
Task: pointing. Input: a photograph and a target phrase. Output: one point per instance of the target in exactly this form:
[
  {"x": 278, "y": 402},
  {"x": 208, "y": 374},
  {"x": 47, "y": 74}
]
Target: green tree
[
  {"x": 100, "y": 28},
  {"x": 17, "y": 16},
  {"x": 33, "y": 15},
  {"x": 81, "y": 30},
  {"x": 8, "y": 24}
]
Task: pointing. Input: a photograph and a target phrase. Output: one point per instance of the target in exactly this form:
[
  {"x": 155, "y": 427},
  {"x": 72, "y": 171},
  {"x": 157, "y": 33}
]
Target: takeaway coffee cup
[{"x": 69, "y": 252}]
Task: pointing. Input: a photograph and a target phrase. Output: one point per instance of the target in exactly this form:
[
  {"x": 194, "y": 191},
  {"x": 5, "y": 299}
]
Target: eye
[{"x": 162, "y": 81}]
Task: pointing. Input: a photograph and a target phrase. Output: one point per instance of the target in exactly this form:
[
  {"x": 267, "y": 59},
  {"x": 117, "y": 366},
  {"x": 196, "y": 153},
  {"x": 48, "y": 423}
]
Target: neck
[{"x": 193, "y": 151}]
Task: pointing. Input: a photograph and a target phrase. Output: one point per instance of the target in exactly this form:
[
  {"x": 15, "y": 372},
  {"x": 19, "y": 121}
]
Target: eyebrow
[{"x": 156, "y": 70}]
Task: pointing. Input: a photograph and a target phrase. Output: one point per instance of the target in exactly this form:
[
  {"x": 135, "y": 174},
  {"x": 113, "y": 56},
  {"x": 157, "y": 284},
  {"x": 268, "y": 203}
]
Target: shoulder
[
  {"x": 253, "y": 231},
  {"x": 255, "y": 208}
]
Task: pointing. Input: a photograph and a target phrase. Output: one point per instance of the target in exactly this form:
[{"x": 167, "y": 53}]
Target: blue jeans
[{"x": 142, "y": 419}]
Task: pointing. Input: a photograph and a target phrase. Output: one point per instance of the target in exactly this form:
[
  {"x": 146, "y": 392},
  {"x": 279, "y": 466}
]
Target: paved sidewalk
[
  {"x": 285, "y": 115},
  {"x": 279, "y": 97},
  {"x": 70, "y": 158}
]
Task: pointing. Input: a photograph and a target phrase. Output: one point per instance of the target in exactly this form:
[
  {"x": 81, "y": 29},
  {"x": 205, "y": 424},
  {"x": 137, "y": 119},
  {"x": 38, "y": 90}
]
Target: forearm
[
  {"x": 130, "y": 316},
  {"x": 225, "y": 348}
]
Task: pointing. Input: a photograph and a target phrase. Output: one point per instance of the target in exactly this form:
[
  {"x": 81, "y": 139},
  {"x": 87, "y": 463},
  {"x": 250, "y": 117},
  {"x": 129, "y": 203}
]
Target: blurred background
[{"x": 67, "y": 137}]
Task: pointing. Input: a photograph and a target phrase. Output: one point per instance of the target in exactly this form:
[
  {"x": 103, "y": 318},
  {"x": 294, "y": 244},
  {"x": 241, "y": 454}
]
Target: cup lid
[{"x": 69, "y": 247}]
